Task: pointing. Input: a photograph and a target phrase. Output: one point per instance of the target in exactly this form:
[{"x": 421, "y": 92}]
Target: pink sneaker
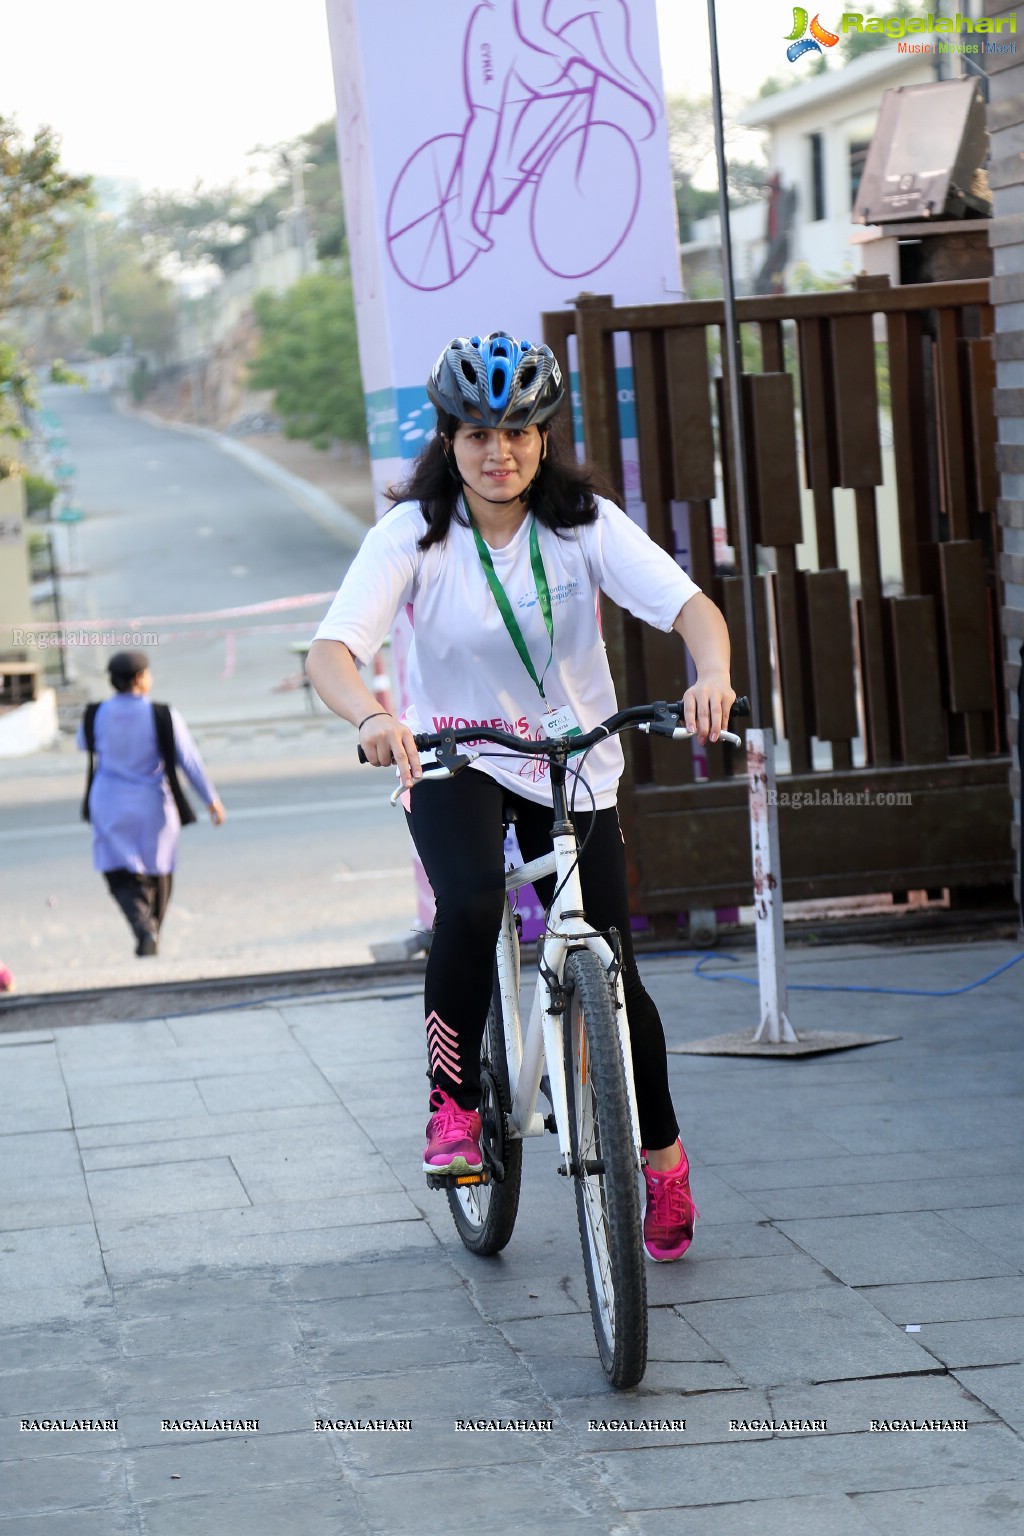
[
  {"x": 453, "y": 1137},
  {"x": 668, "y": 1219}
]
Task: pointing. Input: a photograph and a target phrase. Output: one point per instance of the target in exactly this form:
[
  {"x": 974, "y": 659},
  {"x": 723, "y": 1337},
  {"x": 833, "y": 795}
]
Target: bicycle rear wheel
[
  {"x": 606, "y": 1173},
  {"x": 485, "y": 1214}
]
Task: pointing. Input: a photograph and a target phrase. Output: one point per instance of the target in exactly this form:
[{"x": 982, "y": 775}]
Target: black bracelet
[{"x": 372, "y": 717}]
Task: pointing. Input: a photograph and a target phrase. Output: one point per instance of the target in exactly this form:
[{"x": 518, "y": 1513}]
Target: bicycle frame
[{"x": 567, "y": 929}]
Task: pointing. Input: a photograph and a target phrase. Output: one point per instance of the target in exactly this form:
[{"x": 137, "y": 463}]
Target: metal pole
[{"x": 734, "y": 356}]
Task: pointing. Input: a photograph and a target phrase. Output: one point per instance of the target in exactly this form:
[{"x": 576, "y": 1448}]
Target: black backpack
[{"x": 165, "y": 741}]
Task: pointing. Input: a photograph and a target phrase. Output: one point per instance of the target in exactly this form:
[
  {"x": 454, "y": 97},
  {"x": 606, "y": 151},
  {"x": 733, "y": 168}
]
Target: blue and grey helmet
[{"x": 497, "y": 381}]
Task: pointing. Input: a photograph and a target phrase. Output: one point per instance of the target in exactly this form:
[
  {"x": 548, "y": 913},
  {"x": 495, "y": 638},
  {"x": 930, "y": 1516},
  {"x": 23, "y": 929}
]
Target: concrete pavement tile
[
  {"x": 18, "y": 1444},
  {"x": 857, "y": 1199},
  {"x": 399, "y": 1272},
  {"x": 230, "y": 1031},
  {"x": 915, "y": 1128},
  {"x": 31, "y": 1119},
  {"x": 434, "y": 1394},
  {"x": 786, "y": 1467},
  {"x": 980, "y": 1509},
  {"x": 216, "y": 1290},
  {"x": 986, "y": 1341},
  {"x": 37, "y": 1153},
  {"x": 42, "y": 1484},
  {"x": 363, "y": 1227},
  {"x": 148, "y": 1382},
  {"x": 41, "y": 1204},
  {"x": 25, "y": 1037},
  {"x": 100, "y": 1105},
  {"x": 669, "y": 1337},
  {"x": 704, "y": 1279},
  {"x": 821, "y": 1515},
  {"x": 175, "y": 1066},
  {"x": 70, "y": 1255},
  {"x": 530, "y": 1496},
  {"x": 324, "y": 1506},
  {"x": 112, "y": 1520},
  {"x": 319, "y": 1119},
  {"x": 115, "y": 1042},
  {"x": 501, "y": 1301},
  {"x": 734, "y": 1138},
  {"x": 165, "y": 1188},
  {"x": 718, "y": 1201},
  {"x": 706, "y": 1416},
  {"x": 820, "y": 1335},
  {"x": 321, "y": 1171},
  {"x": 999, "y": 1228},
  {"x": 278, "y": 1410},
  {"x": 404, "y": 1352},
  {"x": 87, "y": 1342},
  {"x": 286, "y": 1246},
  {"x": 55, "y": 1391},
  {"x": 947, "y": 1301},
  {"x": 894, "y": 1249},
  {"x": 264, "y": 1090},
  {"x": 197, "y": 1329},
  {"x": 565, "y": 1377},
  {"x": 340, "y": 1135},
  {"x": 873, "y": 1168},
  {"x": 1001, "y": 1387},
  {"x": 221, "y": 1466},
  {"x": 849, "y": 1406},
  {"x": 435, "y": 1444},
  {"x": 68, "y": 1303},
  {"x": 355, "y": 1317},
  {"x": 736, "y": 1240}
]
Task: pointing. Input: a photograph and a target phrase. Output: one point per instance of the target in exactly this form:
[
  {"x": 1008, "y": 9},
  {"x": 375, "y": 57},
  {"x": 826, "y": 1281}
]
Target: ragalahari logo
[{"x": 800, "y": 43}]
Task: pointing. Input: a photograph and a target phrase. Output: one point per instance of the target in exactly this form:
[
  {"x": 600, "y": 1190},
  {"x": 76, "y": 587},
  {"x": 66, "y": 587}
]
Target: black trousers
[
  {"x": 458, "y": 829},
  {"x": 143, "y": 899}
]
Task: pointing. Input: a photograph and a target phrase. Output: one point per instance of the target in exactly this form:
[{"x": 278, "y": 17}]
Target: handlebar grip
[
  {"x": 362, "y": 755},
  {"x": 740, "y": 708}
]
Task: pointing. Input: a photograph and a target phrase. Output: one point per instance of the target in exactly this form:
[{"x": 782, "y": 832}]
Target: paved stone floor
[{"x": 221, "y": 1218}]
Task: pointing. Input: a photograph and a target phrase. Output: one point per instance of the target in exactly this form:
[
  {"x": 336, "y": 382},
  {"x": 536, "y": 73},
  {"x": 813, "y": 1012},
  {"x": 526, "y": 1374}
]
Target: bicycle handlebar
[{"x": 658, "y": 719}]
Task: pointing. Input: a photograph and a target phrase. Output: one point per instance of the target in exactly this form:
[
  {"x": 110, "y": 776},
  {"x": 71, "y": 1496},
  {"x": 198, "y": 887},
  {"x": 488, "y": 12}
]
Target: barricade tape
[{"x": 275, "y": 605}]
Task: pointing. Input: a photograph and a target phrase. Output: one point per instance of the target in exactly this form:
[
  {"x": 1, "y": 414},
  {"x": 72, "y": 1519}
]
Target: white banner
[{"x": 497, "y": 159}]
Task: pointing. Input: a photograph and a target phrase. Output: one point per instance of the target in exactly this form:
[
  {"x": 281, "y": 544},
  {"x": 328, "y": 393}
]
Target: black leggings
[
  {"x": 143, "y": 899},
  {"x": 458, "y": 830}
]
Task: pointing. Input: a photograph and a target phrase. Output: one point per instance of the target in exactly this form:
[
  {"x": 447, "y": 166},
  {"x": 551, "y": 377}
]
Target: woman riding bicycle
[{"x": 498, "y": 546}]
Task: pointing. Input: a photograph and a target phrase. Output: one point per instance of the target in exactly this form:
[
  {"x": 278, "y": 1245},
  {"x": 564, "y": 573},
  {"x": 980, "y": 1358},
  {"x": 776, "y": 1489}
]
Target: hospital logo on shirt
[{"x": 559, "y": 594}]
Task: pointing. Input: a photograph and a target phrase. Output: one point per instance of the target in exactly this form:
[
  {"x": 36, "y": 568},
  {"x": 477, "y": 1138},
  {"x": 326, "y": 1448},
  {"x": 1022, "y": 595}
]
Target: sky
[{"x": 164, "y": 94}]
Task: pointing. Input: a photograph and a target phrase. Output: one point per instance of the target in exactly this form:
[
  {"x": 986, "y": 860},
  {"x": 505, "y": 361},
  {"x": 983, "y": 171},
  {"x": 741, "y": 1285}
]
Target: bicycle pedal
[{"x": 456, "y": 1180}]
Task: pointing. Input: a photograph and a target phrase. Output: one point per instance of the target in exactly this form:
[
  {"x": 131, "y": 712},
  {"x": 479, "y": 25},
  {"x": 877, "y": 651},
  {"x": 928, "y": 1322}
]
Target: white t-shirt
[{"x": 464, "y": 669}]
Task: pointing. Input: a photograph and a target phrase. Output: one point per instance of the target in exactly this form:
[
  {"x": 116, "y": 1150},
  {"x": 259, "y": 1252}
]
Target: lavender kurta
[{"x": 135, "y": 822}]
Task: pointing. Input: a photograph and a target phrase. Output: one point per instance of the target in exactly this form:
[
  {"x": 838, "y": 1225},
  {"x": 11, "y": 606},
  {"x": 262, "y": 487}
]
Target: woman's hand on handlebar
[
  {"x": 707, "y": 704},
  {"x": 386, "y": 740}
]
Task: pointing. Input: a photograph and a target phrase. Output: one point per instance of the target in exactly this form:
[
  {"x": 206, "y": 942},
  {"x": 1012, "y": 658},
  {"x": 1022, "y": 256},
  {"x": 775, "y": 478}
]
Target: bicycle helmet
[{"x": 497, "y": 381}]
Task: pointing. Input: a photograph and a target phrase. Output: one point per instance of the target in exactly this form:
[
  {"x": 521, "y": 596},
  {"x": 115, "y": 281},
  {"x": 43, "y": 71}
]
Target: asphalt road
[
  {"x": 312, "y": 865},
  {"x": 174, "y": 526}
]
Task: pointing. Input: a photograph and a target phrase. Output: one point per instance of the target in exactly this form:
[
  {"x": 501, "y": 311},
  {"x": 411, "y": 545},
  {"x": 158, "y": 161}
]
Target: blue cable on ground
[{"x": 810, "y": 986}]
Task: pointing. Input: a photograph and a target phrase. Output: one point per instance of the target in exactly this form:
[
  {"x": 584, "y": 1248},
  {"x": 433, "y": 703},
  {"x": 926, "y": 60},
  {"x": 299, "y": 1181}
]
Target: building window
[
  {"x": 817, "y": 176},
  {"x": 858, "y": 157}
]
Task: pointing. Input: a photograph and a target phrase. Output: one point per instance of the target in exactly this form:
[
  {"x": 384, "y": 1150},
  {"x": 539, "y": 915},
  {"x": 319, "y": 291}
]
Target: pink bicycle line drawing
[{"x": 584, "y": 172}]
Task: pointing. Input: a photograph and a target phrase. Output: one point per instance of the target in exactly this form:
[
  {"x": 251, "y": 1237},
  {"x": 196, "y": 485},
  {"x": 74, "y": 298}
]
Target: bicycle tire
[
  {"x": 606, "y": 1173},
  {"x": 485, "y": 1214}
]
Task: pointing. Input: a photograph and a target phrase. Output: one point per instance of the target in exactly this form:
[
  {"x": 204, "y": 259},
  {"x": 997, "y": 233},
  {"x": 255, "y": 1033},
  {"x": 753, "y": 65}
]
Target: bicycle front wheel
[
  {"x": 485, "y": 1214},
  {"x": 605, "y": 1170}
]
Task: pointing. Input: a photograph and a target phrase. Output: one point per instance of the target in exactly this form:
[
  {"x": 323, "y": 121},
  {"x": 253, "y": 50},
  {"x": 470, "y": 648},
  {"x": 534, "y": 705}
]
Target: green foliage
[
  {"x": 35, "y": 198},
  {"x": 39, "y": 493},
  {"x": 692, "y": 149},
  {"x": 308, "y": 357}
]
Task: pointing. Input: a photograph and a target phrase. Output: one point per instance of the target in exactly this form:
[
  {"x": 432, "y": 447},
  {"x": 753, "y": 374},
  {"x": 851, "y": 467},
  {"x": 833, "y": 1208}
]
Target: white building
[{"x": 819, "y": 136}]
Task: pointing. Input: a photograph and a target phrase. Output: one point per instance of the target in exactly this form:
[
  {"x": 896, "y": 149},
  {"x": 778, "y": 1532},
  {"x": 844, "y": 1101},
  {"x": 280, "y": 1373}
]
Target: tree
[
  {"x": 856, "y": 43},
  {"x": 35, "y": 197},
  {"x": 308, "y": 357},
  {"x": 692, "y": 150}
]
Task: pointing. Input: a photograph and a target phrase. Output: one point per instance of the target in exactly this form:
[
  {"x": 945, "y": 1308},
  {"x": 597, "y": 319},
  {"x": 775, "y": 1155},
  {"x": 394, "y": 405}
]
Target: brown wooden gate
[{"x": 886, "y": 685}]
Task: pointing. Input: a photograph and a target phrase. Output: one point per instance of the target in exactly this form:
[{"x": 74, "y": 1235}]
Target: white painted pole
[{"x": 775, "y": 1027}]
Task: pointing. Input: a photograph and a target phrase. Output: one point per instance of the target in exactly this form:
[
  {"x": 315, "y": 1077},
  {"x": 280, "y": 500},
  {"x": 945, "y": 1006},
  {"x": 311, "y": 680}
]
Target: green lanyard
[{"x": 505, "y": 607}]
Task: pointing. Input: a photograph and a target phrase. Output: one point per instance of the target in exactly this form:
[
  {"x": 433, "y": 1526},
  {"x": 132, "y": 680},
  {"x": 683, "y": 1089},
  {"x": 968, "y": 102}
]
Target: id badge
[{"x": 560, "y": 722}]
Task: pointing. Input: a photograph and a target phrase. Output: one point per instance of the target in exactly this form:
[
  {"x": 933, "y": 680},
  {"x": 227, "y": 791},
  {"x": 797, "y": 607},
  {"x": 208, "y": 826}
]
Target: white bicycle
[{"x": 575, "y": 1049}]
